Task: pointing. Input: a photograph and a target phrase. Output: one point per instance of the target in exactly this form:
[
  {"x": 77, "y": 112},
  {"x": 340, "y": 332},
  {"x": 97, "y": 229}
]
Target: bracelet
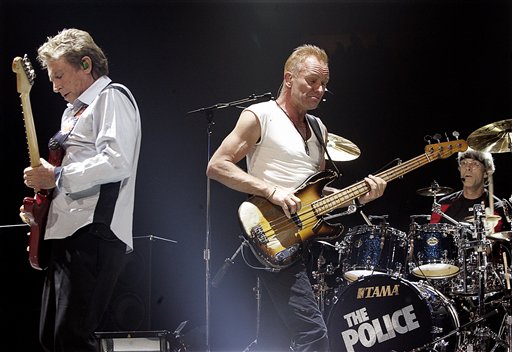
[
  {"x": 271, "y": 194},
  {"x": 357, "y": 203}
]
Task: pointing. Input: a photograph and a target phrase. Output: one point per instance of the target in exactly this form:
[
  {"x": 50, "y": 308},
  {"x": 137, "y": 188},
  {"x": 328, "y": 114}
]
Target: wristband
[{"x": 271, "y": 194}]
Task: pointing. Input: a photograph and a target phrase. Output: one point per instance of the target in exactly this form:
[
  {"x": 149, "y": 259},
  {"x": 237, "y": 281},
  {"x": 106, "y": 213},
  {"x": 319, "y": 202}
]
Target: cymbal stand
[
  {"x": 321, "y": 287},
  {"x": 483, "y": 332},
  {"x": 481, "y": 260},
  {"x": 257, "y": 293},
  {"x": 506, "y": 323}
]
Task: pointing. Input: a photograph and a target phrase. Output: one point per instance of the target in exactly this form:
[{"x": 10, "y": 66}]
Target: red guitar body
[{"x": 38, "y": 206}]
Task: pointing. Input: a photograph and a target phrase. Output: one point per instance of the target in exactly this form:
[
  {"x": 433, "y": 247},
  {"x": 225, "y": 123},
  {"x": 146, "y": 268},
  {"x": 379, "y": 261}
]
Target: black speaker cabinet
[{"x": 130, "y": 305}]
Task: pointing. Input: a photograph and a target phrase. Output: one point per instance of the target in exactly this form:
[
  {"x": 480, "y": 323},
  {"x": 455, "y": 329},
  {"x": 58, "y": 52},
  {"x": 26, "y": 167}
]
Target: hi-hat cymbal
[
  {"x": 495, "y": 137},
  {"x": 341, "y": 149},
  {"x": 434, "y": 191}
]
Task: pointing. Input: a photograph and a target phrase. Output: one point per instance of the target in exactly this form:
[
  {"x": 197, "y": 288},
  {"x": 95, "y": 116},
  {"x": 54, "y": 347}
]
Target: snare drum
[
  {"x": 435, "y": 251},
  {"x": 374, "y": 250},
  {"x": 387, "y": 313}
]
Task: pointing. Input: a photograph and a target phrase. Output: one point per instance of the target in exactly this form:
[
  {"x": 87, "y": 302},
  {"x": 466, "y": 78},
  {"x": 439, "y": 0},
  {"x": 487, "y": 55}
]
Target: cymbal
[
  {"x": 501, "y": 236},
  {"x": 488, "y": 218},
  {"x": 341, "y": 149},
  {"x": 495, "y": 137},
  {"x": 434, "y": 191}
]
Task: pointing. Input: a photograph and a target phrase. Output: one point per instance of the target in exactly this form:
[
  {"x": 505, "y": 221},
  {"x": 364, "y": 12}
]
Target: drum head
[
  {"x": 436, "y": 271},
  {"x": 386, "y": 313}
]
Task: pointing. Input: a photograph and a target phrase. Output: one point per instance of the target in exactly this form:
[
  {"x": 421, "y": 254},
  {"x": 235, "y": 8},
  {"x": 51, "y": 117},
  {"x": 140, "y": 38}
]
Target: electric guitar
[
  {"x": 276, "y": 240},
  {"x": 37, "y": 207}
]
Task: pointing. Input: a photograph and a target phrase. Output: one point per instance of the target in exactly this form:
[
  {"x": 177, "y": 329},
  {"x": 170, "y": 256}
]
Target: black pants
[
  {"x": 295, "y": 306},
  {"x": 78, "y": 285}
]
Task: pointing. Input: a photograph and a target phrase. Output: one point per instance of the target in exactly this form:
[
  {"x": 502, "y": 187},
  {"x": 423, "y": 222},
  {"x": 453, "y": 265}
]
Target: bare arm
[
  {"x": 223, "y": 164},
  {"x": 224, "y": 169}
]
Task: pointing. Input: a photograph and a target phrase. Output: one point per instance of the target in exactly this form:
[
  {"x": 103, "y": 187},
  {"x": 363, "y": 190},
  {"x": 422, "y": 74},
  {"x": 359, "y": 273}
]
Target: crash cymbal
[
  {"x": 495, "y": 137},
  {"x": 434, "y": 191},
  {"x": 501, "y": 236},
  {"x": 341, "y": 149}
]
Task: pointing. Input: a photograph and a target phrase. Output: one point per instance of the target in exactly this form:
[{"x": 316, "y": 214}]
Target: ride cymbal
[
  {"x": 495, "y": 137},
  {"x": 341, "y": 149}
]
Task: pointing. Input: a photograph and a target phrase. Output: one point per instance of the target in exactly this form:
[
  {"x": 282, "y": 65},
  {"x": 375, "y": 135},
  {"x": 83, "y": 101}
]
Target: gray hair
[
  {"x": 483, "y": 157},
  {"x": 73, "y": 44}
]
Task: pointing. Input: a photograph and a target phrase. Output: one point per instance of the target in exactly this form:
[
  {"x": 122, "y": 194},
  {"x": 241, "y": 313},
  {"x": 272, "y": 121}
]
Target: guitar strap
[
  {"x": 318, "y": 133},
  {"x": 58, "y": 139}
]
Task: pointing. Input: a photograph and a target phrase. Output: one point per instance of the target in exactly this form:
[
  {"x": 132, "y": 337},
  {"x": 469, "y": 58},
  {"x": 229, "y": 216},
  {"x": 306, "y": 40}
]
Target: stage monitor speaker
[
  {"x": 142, "y": 341},
  {"x": 130, "y": 305},
  {"x": 135, "y": 341}
]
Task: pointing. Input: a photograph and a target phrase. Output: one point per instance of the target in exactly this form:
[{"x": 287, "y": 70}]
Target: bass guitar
[
  {"x": 37, "y": 206},
  {"x": 277, "y": 240}
]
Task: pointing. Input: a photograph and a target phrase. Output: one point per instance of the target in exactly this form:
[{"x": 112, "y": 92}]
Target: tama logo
[{"x": 378, "y": 291}]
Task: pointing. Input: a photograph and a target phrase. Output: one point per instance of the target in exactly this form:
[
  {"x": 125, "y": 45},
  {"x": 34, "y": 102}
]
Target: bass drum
[{"x": 388, "y": 313}]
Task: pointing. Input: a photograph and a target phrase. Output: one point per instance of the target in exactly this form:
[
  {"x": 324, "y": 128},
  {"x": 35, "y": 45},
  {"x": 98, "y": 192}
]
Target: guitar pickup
[{"x": 257, "y": 232}]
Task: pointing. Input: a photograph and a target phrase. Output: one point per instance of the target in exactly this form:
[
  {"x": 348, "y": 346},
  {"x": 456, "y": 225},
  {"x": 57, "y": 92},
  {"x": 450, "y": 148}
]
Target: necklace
[{"x": 298, "y": 131}]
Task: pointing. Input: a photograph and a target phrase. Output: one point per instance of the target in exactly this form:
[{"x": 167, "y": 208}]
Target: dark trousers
[
  {"x": 295, "y": 307},
  {"x": 78, "y": 285}
]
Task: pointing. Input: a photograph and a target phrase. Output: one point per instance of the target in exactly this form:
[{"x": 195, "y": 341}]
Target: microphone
[
  {"x": 220, "y": 274},
  {"x": 327, "y": 91}
]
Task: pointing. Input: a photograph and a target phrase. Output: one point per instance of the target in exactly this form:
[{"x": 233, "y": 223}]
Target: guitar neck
[
  {"x": 30, "y": 130},
  {"x": 337, "y": 199}
]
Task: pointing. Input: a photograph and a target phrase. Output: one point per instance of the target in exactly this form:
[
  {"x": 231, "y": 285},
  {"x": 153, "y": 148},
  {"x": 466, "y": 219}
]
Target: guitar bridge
[{"x": 285, "y": 255}]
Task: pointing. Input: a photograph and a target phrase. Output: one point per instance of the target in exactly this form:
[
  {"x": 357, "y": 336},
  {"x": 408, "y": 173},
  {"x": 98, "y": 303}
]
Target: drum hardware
[
  {"x": 436, "y": 208},
  {"x": 441, "y": 341},
  {"x": 321, "y": 288},
  {"x": 257, "y": 293},
  {"x": 507, "y": 209},
  {"x": 350, "y": 210}
]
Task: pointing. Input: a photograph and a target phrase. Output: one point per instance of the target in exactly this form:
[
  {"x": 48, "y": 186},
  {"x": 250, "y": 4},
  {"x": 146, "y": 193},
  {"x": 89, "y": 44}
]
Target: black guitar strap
[
  {"x": 318, "y": 133},
  {"x": 122, "y": 90}
]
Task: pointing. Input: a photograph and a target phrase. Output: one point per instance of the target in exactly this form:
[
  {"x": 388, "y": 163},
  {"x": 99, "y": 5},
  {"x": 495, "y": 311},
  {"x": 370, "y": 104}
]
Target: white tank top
[{"x": 280, "y": 157}]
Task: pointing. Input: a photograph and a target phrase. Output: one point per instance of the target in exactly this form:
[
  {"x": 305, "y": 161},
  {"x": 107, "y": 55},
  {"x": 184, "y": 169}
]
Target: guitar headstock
[
  {"x": 443, "y": 150},
  {"x": 25, "y": 74}
]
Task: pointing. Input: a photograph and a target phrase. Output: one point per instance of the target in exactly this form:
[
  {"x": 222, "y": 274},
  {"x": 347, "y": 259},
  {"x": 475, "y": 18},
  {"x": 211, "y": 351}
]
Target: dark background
[{"x": 400, "y": 71}]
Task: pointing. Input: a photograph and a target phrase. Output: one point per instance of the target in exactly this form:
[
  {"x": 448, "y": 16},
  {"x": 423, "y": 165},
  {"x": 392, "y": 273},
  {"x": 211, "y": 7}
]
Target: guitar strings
[{"x": 283, "y": 223}]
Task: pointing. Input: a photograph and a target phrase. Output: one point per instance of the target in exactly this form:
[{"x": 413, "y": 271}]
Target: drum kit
[{"x": 442, "y": 287}]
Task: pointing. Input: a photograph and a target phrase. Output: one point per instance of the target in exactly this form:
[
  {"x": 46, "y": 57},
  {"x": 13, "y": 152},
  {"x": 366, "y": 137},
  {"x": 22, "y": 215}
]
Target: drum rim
[{"x": 451, "y": 312}]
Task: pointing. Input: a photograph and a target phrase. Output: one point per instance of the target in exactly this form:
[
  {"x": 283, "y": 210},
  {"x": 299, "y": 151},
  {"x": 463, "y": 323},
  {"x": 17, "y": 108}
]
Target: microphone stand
[
  {"x": 151, "y": 238},
  {"x": 209, "y": 112}
]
